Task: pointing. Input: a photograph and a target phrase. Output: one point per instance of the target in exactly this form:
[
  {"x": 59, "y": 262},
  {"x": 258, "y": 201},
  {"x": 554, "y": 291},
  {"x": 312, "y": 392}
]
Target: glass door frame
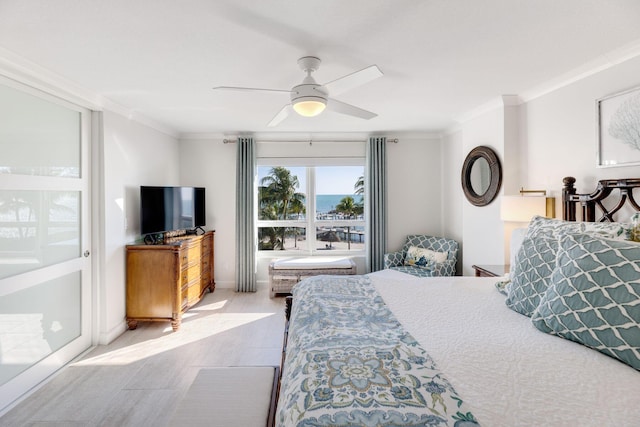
[{"x": 37, "y": 373}]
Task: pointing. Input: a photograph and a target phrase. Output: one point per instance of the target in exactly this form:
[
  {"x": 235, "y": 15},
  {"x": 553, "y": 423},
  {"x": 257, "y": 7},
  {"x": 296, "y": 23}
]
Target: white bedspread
[{"x": 507, "y": 371}]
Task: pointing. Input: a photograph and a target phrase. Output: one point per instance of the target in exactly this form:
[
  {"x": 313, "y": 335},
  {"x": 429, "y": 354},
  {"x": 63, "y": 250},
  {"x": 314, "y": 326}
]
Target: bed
[{"x": 389, "y": 349}]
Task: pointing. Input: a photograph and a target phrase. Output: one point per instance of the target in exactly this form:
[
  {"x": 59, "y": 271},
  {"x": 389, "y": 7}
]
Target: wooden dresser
[{"x": 164, "y": 281}]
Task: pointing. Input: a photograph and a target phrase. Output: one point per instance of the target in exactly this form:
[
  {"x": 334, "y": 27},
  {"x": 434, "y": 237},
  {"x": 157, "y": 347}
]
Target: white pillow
[{"x": 423, "y": 258}]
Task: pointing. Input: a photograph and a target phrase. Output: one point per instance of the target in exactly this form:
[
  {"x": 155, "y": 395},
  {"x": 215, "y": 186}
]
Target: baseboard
[
  {"x": 105, "y": 338},
  {"x": 225, "y": 284},
  {"x": 231, "y": 284}
]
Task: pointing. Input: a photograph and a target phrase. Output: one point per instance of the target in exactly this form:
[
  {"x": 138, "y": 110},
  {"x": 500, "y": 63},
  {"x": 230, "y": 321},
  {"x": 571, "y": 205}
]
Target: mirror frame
[{"x": 495, "y": 170}]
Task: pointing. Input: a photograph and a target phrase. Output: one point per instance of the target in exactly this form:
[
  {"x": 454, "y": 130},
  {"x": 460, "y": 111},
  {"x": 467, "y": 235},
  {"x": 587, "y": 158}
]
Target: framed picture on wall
[{"x": 618, "y": 136}]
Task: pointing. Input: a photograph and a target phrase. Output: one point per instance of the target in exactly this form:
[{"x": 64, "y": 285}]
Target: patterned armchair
[{"x": 395, "y": 260}]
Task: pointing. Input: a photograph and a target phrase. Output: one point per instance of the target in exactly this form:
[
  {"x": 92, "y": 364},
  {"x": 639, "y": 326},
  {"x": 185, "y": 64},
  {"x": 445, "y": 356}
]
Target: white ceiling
[{"x": 442, "y": 59}]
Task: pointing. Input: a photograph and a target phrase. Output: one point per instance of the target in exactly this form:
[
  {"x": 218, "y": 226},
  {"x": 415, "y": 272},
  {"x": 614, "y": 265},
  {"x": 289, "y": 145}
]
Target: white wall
[
  {"x": 452, "y": 195},
  {"x": 414, "y": 188},
  {"x": 561, "y": 135},
  {"x": 211, "y": 164},
  {"x": 131, "y": 155}
]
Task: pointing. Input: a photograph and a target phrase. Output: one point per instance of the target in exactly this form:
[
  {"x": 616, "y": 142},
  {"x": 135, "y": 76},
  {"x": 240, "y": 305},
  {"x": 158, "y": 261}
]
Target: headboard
[{"x": 620, "y": 188}]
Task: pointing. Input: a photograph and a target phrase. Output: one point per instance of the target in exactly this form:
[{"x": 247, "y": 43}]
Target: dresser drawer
[
  {"x": 193, "y": 292},
  {"x": 207, "y": 245},
  {"x": 190, "y": 274},
  {"x": 206, "y": 265}
]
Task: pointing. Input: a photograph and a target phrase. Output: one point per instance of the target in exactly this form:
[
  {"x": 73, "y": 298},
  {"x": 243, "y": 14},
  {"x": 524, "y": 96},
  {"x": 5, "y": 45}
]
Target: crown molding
[
  {"x": 21, "y": 70},
  {"x": 511, "y": 100},
  {"x": 482, "y": 109},
  {"x": 599, "y": 64},
  {"x": 28, "y": 73},
  {"x": 414, "y": 136},
  {"x": 114, "y": 107},
  {"x": 296, "y": 136},
  {"x": 205, "y": 136}
]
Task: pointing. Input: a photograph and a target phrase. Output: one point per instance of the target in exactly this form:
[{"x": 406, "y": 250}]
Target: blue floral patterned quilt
[{"x": 349, "y": 362}]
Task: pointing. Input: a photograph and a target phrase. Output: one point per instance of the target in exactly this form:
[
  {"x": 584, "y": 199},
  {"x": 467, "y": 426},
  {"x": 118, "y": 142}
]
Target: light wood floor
[{"x": 139, "y": 379}]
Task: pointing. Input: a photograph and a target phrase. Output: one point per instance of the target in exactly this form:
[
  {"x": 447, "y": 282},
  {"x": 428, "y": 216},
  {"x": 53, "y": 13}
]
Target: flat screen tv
[{"x": 171, "y": 208}]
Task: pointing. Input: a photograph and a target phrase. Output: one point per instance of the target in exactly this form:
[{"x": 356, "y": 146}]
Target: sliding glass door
[{"x": 45, "y": 260}]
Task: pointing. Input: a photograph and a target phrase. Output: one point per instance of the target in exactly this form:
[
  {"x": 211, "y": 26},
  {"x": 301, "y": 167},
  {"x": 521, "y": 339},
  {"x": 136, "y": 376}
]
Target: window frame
[{"x": 310, "y": 223}]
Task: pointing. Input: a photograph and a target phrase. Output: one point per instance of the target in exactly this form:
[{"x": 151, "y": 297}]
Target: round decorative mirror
[{"x": 481, "y": 176}]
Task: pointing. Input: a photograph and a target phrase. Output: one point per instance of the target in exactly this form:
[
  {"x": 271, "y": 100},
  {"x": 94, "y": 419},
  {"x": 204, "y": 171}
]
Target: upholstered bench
[{"x": 285, "y": 273}]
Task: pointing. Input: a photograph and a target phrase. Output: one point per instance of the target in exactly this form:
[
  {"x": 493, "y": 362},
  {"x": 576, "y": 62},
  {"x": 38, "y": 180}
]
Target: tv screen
[{"x": 171, "y": 208}]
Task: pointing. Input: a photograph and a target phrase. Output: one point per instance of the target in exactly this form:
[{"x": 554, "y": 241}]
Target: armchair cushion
[
  {"x": 397, "y": 260},
  {"x": 423, "y": 258}
]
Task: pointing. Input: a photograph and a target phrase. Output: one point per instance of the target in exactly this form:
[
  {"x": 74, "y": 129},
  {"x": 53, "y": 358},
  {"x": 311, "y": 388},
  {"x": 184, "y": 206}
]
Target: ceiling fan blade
[
  {"x": 355, "y": 79},
  {"x": 282, "y": 114},
  {"x": 249, "y": 89},
  {"x": 348, "y": 109}
]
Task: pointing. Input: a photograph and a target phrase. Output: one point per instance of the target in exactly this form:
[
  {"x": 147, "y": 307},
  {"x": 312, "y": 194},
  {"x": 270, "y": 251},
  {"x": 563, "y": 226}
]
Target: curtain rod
[{"x": 310, "y": 141}]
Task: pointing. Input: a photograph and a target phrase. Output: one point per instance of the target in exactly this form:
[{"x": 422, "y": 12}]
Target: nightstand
[{"x": 490, "y": 270}]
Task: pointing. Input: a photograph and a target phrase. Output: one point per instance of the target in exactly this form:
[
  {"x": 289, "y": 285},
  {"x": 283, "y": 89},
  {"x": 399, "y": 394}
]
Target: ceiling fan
[{"x": 310, "y": 98}]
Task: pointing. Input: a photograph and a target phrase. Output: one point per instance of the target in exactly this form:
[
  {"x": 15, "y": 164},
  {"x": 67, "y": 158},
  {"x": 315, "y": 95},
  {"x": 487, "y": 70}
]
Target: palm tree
[
  {"x": 279, "y": 189},
  {"x": 267, "y": 236},
  {"x": 297, "y": 207},
  {"x": 358, "y": 187},
  {"x": 350, "y": 208}
]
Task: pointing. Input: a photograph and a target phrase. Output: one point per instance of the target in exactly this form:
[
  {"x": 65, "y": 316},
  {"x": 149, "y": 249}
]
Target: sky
[{"x": 329, "y": 179}]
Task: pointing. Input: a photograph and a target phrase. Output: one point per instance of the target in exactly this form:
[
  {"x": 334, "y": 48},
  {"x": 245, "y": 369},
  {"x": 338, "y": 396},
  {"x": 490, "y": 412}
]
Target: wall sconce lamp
[{"x": 528, "y": 204}]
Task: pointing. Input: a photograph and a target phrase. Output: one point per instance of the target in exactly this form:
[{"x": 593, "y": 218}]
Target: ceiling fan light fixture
[
  {"x": 310, "y": 99},
  {"x": 309, "y": 106}
]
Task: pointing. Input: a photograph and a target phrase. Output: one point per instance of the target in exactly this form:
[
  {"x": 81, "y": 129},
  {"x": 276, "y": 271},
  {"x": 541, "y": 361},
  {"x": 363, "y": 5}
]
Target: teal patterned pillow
[
  {"x": 551, "y": 227},
  {"x": 536, "y": 258},
  {"x": 594, "y": 297},
  {"x": 535, "y": 261}
]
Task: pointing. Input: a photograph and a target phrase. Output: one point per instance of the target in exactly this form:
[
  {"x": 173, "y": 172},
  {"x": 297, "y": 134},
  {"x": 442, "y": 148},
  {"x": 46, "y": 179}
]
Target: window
[{"x": 311, "y": 209}]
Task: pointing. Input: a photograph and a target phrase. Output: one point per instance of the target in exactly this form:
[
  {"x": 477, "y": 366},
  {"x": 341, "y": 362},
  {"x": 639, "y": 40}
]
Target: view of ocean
[{"x": 328, "y": 202}]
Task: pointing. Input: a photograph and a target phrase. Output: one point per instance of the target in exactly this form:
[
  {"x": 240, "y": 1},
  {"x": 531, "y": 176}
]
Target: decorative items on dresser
[{"x": 165, "y": 280}]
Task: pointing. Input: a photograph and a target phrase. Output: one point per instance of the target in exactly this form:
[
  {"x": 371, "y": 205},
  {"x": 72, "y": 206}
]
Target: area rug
[{"x": 228, "y": 396}]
